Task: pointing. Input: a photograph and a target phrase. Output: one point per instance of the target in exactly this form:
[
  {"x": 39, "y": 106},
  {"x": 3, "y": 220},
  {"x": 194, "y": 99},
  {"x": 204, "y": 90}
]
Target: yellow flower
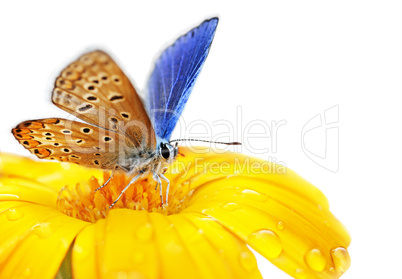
[{"x": 218, "y": 204}]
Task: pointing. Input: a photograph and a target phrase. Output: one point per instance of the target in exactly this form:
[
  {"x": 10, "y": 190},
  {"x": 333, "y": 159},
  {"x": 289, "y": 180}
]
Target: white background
[{"x": 277, "y": 60}]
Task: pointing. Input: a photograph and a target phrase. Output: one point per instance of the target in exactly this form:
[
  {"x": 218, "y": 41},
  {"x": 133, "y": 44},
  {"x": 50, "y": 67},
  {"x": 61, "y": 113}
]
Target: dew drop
[
  {"x": 280, "y": 225},
  {"x": 341, "y": 259},
  {"x": 315, "y": 260},
  {"x": 270, "y": 241},
  {"x": 80, "y": 252},
  {"x": 174, "y": 248},
  {"x": 138, "y": 257},
  {"x": 14, "y": 196},
  {"x": 78, "y": 249},
  {"x": 27, "y": 272},
  {"x": 136, "y": 275},
  {"x": 14, "y": 214},
  {"x": 65, "y": 243},
  {"x": 145, "y": 232},
  {"x": 169, "y": 228},
  {"x": 207, "y": 210},
  {"x": 122, "y": 275},
  {"x": 197, "y": 237},
  {"x": 42, "y": 230},
  {"x": 253, "y": 195},
  {"x": 65, "y": 165},
  {"x": 247, "y": 261},
  {"x": 230, "y": 206},
  {"x": 300, "y": 274}
]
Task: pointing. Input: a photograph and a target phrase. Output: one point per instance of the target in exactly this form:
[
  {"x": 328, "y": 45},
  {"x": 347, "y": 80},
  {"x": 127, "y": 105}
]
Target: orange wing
[
  {"x": 96, "y": 90},
  {"x": 71, "y": 141}
]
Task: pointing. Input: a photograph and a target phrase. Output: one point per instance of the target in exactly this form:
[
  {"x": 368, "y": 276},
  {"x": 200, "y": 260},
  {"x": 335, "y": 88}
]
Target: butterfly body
[
  {"x": 117, "y": 131},
  {"x": 155, "y": 161}
]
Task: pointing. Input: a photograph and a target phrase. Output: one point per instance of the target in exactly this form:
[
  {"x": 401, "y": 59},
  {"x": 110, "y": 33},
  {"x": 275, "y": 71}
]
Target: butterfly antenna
[{"x": 219, "y": 142}]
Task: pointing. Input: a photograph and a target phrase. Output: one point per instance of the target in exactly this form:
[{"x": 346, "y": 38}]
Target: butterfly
[{"x": 119, "y": 131}]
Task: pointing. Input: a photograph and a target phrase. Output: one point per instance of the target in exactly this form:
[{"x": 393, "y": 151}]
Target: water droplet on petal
[
  {"x": 65, "y": 165},
  {"x": 247, "y": 261},
  {"x": 170, "y": 227},
  {"x": 280, "y": 225},
  {"x": 253, "y": 195},
  {"x": 230, "y": 206},
  {"x": 145, "y": 232},
  {"x": 138, "y": 257},
  {"x": 136, "y": 275},
  {"x": 197, "y": 237},
  {"x": 78, "y": 249},
  {"x": 270, "y": 241},
  {"x": 14, "y": 196},
  {"x": 122, "y": 275},
  {"x": 207, "y": 210},
  {"x": 65, "y": 242},
  {"x": 27, "y": 272},
  {"x": 42, "y": 230},
  {"x": 174, "y": 248},
  {"x": 341, "y": 259},
  {"x": 315, "y": 260},
  {"x": 80, "y": 253},
  {"x": 14, "y": 214},
  {"x": 300, "y": 274}
]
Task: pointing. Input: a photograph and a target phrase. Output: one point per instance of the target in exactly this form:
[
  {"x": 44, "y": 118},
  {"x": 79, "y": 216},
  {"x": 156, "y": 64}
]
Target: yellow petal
[
  {"x": 217, "y": 253},
  {"x": 120, "y": 246},
  {"x": 34, "y": 239},
  {"x": 228, "y": 200},
  {"x": 83, "y": 261},
  {"x": 278, "y": 214},
  {"x": 138, "y": 244},
  {"x": 24, "y": 189},
  {"x": 55, "y": 175}
]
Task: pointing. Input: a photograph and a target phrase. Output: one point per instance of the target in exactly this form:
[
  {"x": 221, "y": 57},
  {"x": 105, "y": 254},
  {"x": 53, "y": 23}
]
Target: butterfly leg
[
  {"x": 107, "y": 181},
  {"x": 159, "y": 183},
  {"x": 135, "y": 178},
  {"x": 167, "y": 188}
]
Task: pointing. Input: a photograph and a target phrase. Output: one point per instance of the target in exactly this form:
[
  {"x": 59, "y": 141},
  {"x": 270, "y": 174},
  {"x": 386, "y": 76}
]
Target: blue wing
[{"x": 173, "y": 77}]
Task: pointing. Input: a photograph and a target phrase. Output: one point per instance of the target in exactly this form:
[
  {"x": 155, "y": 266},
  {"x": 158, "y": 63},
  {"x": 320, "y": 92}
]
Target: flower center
[{"x": 82, "y": 202}]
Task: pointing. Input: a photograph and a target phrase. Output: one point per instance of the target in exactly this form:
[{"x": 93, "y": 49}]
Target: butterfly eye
[{"x": 165, "y": 152}]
